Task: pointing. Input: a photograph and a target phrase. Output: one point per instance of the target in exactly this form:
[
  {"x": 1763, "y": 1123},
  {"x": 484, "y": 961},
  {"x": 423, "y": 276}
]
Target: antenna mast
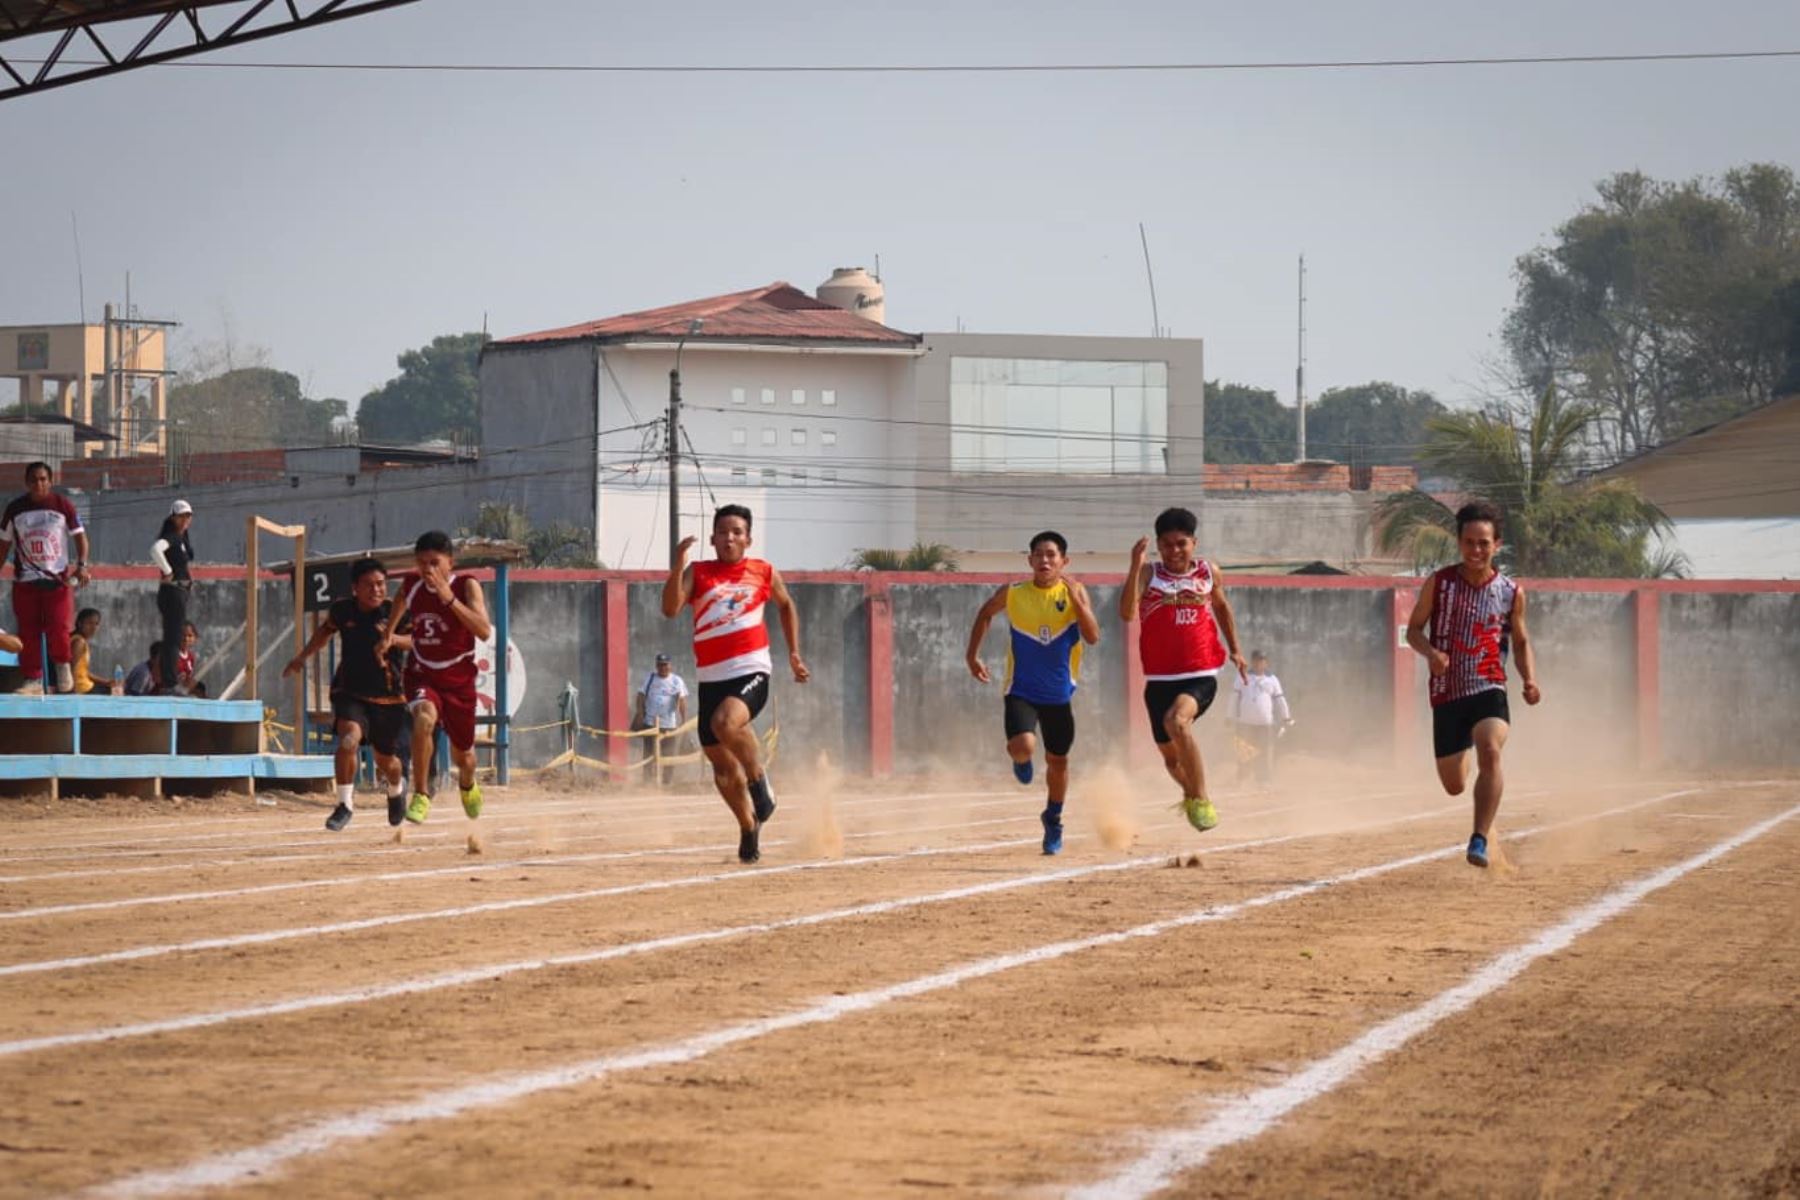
[
  {"x": 1300, "y": 368},
  {"x": 1155, "y": 319}
]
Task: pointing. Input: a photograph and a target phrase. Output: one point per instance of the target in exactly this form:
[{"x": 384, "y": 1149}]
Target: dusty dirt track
[{"x": 245, "y": 1000}]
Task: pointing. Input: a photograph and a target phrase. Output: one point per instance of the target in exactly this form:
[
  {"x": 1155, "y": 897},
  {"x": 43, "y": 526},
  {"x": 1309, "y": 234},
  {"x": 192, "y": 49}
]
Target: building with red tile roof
[{"x": 775, "y": 314}]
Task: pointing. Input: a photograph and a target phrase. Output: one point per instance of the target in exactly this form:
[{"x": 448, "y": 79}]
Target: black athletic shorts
[
  {"x": 752, "y": 689},
  {"x": 1453, "y": 722},
  {"x": 1058, "y": 720},
  {"x": 387, "y": 727},
  {"x": 1159, "y": 697}
]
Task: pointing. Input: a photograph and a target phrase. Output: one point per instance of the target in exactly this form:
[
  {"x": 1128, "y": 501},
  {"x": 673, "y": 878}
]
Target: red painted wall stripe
[
  {"x": 617, "y": 657},
  {"x": 1405, "y": 695},
  {"x": 879, "y": 604},
  {"x": 1648, "y": 613}
]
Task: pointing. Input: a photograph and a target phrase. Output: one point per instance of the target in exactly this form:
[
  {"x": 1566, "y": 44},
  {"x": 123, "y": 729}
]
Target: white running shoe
[{"x": 31, "y": 687}]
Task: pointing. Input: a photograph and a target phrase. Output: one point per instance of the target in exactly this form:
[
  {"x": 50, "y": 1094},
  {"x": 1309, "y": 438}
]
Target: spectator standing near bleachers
[
  {"x": 173, "y": 553},
  {"x": 38, "y": 530}
]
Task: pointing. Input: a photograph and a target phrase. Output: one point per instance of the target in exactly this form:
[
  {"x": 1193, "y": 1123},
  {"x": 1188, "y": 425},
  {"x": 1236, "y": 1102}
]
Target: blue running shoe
[
  {"x": 1022, "y": 771},
  {"x": 1477, "y": 850},
  {"x": 1052, "y": 819}
]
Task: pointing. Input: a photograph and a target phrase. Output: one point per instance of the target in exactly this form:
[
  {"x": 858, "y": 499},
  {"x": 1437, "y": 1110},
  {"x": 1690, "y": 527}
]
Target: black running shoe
[
  {"x": 762, "y": 800},
  {"x": 396, "y": 809},
  {"x": 340, "y": 817},
  {"x": 747, "y": 849}
]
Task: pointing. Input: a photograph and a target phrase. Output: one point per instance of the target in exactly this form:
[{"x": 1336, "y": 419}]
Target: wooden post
[
  {"x": 252, "y": 643},
  {"x": 300, "y": 639}
]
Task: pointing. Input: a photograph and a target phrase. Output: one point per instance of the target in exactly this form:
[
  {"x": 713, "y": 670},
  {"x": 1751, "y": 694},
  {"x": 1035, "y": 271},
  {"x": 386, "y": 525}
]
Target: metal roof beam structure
[{"x": 253, "y": 21}]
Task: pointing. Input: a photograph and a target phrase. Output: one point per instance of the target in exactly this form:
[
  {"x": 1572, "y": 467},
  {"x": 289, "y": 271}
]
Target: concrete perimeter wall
[{"x": 1693, "y": 674}]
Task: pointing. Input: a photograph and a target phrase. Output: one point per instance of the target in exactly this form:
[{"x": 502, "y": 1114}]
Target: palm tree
[
  {"x": 1558, "y": 523},
  {"x": 932, "y": 556}
]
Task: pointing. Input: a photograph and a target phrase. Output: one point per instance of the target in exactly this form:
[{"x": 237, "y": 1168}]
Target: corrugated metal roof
[{"x": 776, "y": 313}]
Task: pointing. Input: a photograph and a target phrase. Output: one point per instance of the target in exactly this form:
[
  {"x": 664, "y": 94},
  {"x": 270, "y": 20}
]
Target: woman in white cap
[{"x": 171, "y": 552}]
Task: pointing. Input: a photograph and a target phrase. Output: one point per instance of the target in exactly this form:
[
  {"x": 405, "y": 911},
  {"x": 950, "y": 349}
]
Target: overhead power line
[{"x": 1081, "y": 68}]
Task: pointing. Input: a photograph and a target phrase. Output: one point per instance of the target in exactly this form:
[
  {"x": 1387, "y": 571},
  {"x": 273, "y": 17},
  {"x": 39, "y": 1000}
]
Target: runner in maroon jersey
[
  {"x": 38, "y": 528},
  {"x": 449, "y": 616},
  {"x": 1187, "y": 637},
  {"x": 1465, "y": 619},
  {"x": 731, "y": 651}
]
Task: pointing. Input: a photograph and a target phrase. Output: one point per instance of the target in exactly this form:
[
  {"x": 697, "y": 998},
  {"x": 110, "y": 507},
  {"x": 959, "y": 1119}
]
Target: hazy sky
[{"x": 337, "y": 218}]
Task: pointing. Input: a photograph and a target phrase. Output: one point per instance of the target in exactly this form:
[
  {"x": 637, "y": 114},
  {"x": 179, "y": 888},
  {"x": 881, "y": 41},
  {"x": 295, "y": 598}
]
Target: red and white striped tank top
[
  {"x": 730, "y": 638},
  {"x": 443, "y": 649},
  {"x": 1178, "y": 638},
  {"x": 1473, "y": 625}
]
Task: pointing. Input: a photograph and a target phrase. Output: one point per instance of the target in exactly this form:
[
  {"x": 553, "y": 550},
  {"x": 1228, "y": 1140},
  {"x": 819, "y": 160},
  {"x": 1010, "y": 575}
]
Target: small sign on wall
[{"x": 34, "y": 351}]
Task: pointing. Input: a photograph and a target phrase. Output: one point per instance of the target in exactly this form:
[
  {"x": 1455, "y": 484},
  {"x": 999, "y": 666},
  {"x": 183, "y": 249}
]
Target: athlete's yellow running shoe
[
  {"x": 421, "y": 804},
  {"x": 471, "y": 799},
  {"x": 1199, "y": 812}
]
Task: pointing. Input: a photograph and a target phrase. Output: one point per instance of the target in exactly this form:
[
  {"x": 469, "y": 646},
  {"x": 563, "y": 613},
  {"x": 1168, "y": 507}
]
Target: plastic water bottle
[{"x": 118, "y": 680}]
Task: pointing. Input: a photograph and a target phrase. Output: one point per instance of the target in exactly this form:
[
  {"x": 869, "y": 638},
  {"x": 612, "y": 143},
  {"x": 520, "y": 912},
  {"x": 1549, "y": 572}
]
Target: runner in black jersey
[{"x": 366, "y": 696}]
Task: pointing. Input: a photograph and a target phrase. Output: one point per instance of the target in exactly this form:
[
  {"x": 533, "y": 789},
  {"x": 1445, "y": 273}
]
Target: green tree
[
  {"x": 1247, "y": 424},
  {"x": 250, "y": 407},
  {"x": 1663, "y": 305},
  {"x": 923, "y": 556},
  {"x": 557, "y": 544},
  {"x": 436, "y": 394},
  {"x": 1370, "y": 423},
  {"x": 1557, "y": 523}
]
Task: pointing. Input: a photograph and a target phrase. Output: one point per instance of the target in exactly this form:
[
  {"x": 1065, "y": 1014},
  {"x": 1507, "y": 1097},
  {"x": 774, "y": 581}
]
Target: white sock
[
  {"x": 396, "y": 787},
  {"x": 347, "y": 795}
]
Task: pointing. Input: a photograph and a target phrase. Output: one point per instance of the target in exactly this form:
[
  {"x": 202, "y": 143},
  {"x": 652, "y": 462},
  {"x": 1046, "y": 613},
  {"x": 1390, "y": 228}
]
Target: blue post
[
  {"x": 502, "y": 611},
  {"x": 44, "y": 663}
]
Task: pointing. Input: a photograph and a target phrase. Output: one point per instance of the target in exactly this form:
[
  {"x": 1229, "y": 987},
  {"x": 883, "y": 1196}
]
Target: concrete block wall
[{"x": 1692, "y": 674}]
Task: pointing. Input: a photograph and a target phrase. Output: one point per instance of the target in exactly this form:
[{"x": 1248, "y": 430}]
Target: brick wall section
[
  {"x": 97, "y": 474},
  {"x": 1300, "y": 477}
]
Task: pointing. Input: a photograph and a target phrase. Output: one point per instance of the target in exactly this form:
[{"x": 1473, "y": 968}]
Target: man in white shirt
[
  {"x": 662, "y": 703},
  {"x": 1261, "y": 712}
]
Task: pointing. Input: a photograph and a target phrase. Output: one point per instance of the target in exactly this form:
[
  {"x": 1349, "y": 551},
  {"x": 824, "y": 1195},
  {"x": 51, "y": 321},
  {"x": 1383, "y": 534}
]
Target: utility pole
[
  {"x": 675, "y": 442},
  {"x": 1300, "y": 368}
]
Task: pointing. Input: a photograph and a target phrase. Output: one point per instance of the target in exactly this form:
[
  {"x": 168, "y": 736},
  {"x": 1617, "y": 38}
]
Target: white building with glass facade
[{"x": 840, "y": 433}]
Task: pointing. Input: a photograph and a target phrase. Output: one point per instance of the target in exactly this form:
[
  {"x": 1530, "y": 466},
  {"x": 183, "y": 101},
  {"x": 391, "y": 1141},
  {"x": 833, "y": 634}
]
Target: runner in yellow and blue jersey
[{"x": 1051, "y": 617}]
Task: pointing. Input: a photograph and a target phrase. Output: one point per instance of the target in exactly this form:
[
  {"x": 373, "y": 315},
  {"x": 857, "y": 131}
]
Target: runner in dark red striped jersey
[
  {"x": 731, "y": 652},
  {"x": 1466, "y": 619},
  {"x": 449, "y": 616}
]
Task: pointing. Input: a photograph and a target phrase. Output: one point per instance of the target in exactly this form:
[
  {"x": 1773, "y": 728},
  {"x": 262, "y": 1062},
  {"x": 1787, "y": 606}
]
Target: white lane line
[
  {"x": 1253, "y": 1113},
  {"x": 304, "y": 931},
  {"x": 540, "y": 859},
  {"x": 450, "y": 979},
  {"x": 501, "y": 970},
  {"x": 493, "y": 906},
  {"x": 257, "y": 1162},
  {"x": 362, "y": 849},
  {"x": 57, "y": 910},
  {"x": 508, "y": 820}
]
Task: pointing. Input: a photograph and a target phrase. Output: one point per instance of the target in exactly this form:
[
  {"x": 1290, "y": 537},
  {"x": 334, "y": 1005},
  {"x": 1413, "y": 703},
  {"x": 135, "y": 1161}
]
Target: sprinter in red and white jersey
[
  {"x": 1187, "y": 636},
  {"x": 449, "y": 616},
  {"x": 1466, "y": 618},
  {"x": 731, "y": 652}
]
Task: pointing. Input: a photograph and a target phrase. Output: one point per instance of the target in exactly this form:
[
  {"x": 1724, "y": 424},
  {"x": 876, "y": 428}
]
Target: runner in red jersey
[
  {"x": 37, "y": 528},
  {"x": 1465, "y": 619},
  {"x": 449, "y": 616},
  {"x": 1188, "y": 635},
  {"x": 731, "y": 651}
]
